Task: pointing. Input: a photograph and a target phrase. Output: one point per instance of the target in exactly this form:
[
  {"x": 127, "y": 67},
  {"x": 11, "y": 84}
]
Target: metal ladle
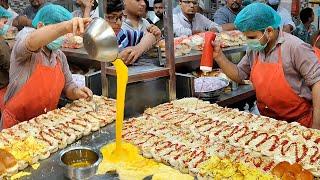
[{"x": 100, "y": 41}]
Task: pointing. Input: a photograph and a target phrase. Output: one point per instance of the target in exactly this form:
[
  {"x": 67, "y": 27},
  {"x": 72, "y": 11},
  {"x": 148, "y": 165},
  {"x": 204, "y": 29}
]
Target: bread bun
[
  {"x": 304, "y": 175},
  {"x": 288, "y": 176},
  {"x": 2, "y": 169},
  {"x": 7, "y": 159},
  {"x": 9, "y": 162},
  {"x": 280, "y": 169},
  {"x": 295, "y": 169}
]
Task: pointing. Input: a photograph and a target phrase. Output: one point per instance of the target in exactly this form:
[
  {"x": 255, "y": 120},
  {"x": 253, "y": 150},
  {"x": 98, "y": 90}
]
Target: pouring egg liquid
[{"x": 122, "y": 80}]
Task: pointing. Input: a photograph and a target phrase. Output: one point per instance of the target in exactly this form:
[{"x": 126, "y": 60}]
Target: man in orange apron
[
  {"x": 283, "y": 69},
  {"x": 39, "y": 71}
]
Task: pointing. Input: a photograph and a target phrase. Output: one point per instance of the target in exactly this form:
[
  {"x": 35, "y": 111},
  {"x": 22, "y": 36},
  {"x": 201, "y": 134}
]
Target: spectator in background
[
  {"x": 85, "y": 8},
  {"x": 158, "y": 8},
  {"x": 31, "y": 10},
  {"x": 177, "y": 9},
  {"x": 247, "y": 2},
  {"x": 190, "y": 22},
  {"x": 5, "y": 4},
  {"x": 306, "y": 29},
  {"x": 15, "y": 20},
  {"x": 135, "y": 10},
  {"x": 200, "y": 7},
  {"x": 286, "y": 20},
  {"x": 226, "y": 15},
  {"x": 132, "y": 43},
  {"x": 4, "y": 50},
  {"x": 149, "y": 15}
]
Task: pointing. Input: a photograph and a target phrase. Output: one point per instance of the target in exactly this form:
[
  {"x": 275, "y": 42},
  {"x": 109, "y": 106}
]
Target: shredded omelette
[
  {"x": 216, "y": 168},
  {"x": 26, "y": 149},
  {"x": 20, "y": 175}
]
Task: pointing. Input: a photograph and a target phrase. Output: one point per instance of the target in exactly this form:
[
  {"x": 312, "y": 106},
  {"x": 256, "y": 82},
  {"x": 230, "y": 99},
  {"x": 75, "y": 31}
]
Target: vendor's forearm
[
  {"x": 228, "y": 27},
  {"x": 228, "y": 68},
  {"x": 316, "y": 105},
  {"x": 43, "y": 36},
  {"x": 147, "y": 42},
  {"x": 70, "y": 93},
  {"x": 86, "y": 12}
]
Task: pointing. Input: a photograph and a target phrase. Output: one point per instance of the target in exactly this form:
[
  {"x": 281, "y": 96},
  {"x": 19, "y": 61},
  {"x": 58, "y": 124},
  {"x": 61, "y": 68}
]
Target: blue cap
[
  {"x": 4, "y": 13},
  {"x": 51, "y": 14},
  {"x": 256, "y": 17}
]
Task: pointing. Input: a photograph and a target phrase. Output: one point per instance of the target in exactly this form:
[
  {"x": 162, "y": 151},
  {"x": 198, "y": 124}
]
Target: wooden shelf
[{"x": 141, "y": 72}]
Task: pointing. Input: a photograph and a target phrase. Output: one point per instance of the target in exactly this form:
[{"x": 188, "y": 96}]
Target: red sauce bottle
[{"x": 207, "y": 53}]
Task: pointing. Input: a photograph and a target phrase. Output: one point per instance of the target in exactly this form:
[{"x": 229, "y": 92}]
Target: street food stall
[{"x": 189, "y": 136}]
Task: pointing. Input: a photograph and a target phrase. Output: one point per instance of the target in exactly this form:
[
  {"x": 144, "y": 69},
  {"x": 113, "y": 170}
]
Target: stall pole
[
  {"x": 104, "y": 80},
  {"x": 168, "y": 29}
]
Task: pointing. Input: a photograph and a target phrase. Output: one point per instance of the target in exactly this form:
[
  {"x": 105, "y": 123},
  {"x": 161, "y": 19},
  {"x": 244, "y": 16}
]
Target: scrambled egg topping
[
  {"x": 216, "y": 168},
  {"x": 35, "y": 166},
  {"x": 26, "y": 149},
  {"x": 20, "y": 175},
  {"x": 130, "y": 165}
]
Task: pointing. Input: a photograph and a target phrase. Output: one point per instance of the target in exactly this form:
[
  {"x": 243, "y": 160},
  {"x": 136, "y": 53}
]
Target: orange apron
[
  {"x": 275, "y": 97},
  {"x": 317, "y": 50},
  {"x": 38, "y": 95}
]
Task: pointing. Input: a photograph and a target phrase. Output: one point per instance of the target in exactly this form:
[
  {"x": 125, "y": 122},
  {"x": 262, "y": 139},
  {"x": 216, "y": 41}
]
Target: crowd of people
[{"x": 279, "y": 61}]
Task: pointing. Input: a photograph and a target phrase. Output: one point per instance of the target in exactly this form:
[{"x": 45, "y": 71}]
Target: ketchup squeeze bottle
[{"x": 207, "y": 52}]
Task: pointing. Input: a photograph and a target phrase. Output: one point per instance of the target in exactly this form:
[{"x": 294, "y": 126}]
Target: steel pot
[
  {"x": 75, "y": 155},
  {"x": 100, "y": 41}
]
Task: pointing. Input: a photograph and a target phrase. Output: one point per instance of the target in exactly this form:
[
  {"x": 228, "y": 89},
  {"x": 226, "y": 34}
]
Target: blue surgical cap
[
  {"x": 51, "y": 14},
  {"x": 4, "y": 13},
  {"x": 256, "y": 17}
]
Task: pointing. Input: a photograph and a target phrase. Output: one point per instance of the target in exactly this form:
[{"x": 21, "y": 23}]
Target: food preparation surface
[
  {"x": 50, "y": 169},
  {"x": 244, "y": 92},
  {"x": 187, "y": 132},
  {"x": 196, "y": 55}
]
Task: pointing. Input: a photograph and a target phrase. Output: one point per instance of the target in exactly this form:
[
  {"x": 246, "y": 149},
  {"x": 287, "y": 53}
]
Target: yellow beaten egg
[{"x": 135, "y": 167}]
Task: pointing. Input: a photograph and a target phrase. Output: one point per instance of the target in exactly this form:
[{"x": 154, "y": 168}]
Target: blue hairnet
[
  {"x": 51, "y": 14},
  {"x": 4, "y": 13},
  {"x": 256, "y": 17}
]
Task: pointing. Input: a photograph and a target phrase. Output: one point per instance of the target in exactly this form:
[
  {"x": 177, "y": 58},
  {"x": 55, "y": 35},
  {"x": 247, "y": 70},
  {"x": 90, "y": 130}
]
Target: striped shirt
[{"x": 127, "y": 38}]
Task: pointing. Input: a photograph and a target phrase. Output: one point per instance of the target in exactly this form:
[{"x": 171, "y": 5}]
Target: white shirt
[
  {"x": 143, "y": 24},
  {"x": 151, "y": 3},
  {"x": 286, "y": 18},
  {"x": 182, "y": 26},
  {"x": 14, "y": 15},
  {"x": 79, "y": 13},
  {"x": 176, "y": 10}
]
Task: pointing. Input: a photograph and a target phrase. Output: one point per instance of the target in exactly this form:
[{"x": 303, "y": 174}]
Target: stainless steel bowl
[
  {"x": 75, "y": 155},
  {"x": 100, "y": 41}
]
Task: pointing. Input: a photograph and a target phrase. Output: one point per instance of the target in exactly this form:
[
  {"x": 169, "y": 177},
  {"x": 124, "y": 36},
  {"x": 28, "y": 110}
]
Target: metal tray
[{"x": 185, "y": 88}]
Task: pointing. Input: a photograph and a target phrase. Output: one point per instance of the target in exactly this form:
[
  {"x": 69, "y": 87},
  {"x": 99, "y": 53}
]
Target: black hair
[
  {"x": 95, "y": 4},
  {"x": 148, "y": 8},
  {"x": 114, "y": 6},
  {"x": 305, "y": 14},
  {"x": 157, "y": 1}
]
